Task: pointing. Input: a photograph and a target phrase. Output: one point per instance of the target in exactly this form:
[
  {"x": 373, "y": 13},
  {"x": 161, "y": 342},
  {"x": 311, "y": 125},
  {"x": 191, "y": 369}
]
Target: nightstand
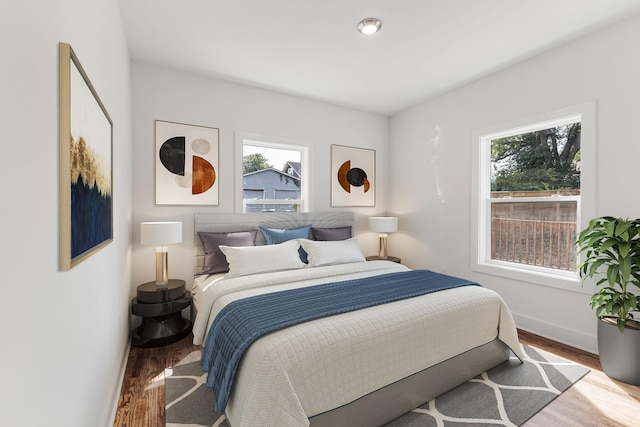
[
  {"x": 379, "y": 258},
  {"x": 161, "y": 310}
]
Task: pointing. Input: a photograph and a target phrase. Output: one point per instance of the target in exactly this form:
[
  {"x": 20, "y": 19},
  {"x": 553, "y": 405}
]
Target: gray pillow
[
  {"x": 214, "y": 259},
  {"x": 326, "y": 234}
]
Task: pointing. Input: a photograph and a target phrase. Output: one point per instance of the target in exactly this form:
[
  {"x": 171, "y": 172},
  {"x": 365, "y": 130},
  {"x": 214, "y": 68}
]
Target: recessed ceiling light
[{"x": 369, "y": 26}]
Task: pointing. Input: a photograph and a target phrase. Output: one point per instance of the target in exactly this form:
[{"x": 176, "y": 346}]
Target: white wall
[
  {"x": 164, "y": 94},
  {"x": 64, "y": 334},
  {"x": 430, "y": 164}
]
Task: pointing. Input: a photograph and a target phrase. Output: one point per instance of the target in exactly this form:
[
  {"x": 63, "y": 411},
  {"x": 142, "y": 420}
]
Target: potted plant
[{"x": 612, "y": 250}]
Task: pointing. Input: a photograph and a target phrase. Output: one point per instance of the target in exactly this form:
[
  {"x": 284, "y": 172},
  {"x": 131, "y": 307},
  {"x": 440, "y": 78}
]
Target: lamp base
[
  {"x": 382, "y": 250},
  {"x": 162, "y": 267}
]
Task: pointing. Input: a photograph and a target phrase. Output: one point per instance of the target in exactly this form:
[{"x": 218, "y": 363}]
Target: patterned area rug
[{"x": 507, "y": 395}]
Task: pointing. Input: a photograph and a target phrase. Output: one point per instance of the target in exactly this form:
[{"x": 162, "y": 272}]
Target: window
[
  {"x": 530, "y": 190},
  {"x": 273, "y": 175}
]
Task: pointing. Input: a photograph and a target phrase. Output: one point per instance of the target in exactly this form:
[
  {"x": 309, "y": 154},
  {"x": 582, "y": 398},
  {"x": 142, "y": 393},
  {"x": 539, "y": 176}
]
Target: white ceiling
[{"x": 311, "y": 48}]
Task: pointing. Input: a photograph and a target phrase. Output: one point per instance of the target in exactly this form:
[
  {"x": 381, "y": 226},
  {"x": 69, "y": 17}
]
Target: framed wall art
[
  {"x": 186, "y": 164},
  {"x": 86, "y": 164},
  {"x": 353, "y": 172}
]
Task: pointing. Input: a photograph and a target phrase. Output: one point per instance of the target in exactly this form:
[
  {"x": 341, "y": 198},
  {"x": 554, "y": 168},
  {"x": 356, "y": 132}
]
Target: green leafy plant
[{"x": 612, "y": 249}]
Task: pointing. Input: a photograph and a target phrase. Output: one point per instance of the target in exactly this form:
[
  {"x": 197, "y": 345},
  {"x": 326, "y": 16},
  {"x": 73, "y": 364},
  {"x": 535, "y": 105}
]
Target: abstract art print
[
  {"x": 85, "y": 175},
  {"x": 186, "y": 164},
  {"x": 353, "y": 172}
]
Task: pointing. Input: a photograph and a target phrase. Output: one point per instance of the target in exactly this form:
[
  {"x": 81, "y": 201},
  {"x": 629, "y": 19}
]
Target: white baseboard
[
  {"x": 116, "y": 397},
  {"x": 577, "y": 339}
]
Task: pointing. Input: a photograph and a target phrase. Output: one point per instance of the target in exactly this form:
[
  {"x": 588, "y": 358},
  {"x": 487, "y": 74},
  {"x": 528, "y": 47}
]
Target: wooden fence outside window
[{"x": 534, "y": 242}]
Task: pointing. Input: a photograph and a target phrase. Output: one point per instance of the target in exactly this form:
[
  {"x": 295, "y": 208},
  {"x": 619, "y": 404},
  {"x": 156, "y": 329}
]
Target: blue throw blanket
[{"x": 242, "y": 322}]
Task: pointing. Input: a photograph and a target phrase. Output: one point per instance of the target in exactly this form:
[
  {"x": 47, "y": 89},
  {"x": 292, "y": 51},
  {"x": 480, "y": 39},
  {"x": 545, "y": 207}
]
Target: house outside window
[
  {"x": 529, "y": 195},
  {"x": 273, "y": 175}
]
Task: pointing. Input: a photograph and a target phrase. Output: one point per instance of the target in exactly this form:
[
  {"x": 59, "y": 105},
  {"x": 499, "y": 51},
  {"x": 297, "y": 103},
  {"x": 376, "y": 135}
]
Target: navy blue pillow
[{"x": 273, "y": 236}]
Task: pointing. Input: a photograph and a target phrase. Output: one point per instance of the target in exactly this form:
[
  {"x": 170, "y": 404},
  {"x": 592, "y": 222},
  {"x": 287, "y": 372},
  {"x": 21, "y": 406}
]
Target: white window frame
[
  {"x": 481, "y": 190},
  {"x": 260, "y": 140}
]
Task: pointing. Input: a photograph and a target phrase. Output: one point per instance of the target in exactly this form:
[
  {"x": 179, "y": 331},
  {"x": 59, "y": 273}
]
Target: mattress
[{"x": 296, "y": 373}]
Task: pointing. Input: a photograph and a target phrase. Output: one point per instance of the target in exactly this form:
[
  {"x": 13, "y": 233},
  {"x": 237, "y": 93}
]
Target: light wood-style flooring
[{"x": 595, "y": 400}]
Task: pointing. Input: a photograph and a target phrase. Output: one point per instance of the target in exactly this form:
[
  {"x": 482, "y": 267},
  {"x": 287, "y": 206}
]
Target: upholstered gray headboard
[{"x": 225, "y": 222}]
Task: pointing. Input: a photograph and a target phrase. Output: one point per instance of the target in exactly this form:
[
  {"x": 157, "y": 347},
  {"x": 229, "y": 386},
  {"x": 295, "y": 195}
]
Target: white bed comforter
[{"x": 295, "y": 373}]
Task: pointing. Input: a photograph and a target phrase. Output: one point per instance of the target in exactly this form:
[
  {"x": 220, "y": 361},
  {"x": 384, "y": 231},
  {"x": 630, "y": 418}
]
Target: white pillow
[
  {"x": 244, "y": 260},
  {"x": 332, "y": 252}
]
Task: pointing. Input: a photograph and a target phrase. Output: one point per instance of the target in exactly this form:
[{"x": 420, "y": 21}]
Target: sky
[{"x": 277, "y": 157}]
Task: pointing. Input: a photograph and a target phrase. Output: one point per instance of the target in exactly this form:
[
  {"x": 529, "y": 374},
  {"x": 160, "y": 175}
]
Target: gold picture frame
[{"x": 85, "y": 164}]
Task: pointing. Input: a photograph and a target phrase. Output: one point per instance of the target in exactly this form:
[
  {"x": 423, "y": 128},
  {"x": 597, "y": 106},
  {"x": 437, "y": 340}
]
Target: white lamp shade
[
  {"x": 160, "y": 233},
  {"x": 383, "y": 224}
]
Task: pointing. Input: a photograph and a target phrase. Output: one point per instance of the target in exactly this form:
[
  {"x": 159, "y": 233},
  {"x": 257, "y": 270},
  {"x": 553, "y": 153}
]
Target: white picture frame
[
  {"x": 186, "y": 164},
  {"x": 353, "y": 176}
]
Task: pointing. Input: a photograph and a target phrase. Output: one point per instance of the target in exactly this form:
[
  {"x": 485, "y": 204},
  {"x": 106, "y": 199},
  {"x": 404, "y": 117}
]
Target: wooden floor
[{"x": 595, "y": 400}]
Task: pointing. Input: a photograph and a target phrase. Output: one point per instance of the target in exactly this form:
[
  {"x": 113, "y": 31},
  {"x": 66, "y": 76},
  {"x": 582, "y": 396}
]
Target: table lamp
[
  {"x": 383, "y": 225},
  {"x": 161, "y": 234}
]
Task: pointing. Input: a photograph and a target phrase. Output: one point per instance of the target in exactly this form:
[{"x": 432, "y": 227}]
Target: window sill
[{"x": 567, "y": 281}]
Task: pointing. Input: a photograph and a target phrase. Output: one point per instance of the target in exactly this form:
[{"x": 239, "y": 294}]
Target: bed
[{"x": 358, "y": 368}]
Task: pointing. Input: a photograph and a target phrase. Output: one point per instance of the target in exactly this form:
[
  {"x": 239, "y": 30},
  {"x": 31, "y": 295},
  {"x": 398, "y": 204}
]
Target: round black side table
[
  {"x": 379, "y": 258},
  {"x": 161, "y": 310}
]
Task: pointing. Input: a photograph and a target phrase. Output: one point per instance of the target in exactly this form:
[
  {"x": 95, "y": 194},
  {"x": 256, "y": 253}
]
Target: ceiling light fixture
[{"x": 369, "y": 26}]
